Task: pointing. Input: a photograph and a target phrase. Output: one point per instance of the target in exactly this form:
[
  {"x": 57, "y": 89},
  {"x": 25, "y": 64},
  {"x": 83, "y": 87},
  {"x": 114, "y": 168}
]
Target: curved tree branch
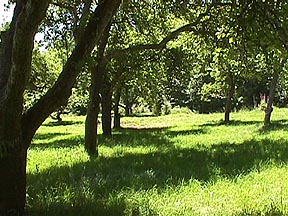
[
  {"x": 61, "y": 91},
  {"x": 191, "y": 27}
]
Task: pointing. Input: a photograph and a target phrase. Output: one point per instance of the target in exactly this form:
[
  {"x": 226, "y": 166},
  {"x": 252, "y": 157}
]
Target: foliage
[
  {"x": 78, "y": 101},
  {"x": 45, "y": 69},
  {"x": 194, "y": 69}
]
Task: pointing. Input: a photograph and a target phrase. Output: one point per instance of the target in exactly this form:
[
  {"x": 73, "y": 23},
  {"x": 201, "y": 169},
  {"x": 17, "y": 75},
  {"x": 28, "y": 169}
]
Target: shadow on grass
[
  {"x": 48, "y": 136},
  {"x": 82, "y": 207},
  {"x": 274, "y": 126},
  {"x": 95, "y": 187},
  {"x": 270, "y": 212},
  {"x": 103, "y": 179},
  {"x": 230, "y": 123},
  {"x": 143, "y": 136},
  {"x": 135, "y": 137},
  {"x": 234, "y": 159},
  {"x": 187, "y": 132},
  {"x": 62, "y": 123},
  {"x": 56, "y": 141}
]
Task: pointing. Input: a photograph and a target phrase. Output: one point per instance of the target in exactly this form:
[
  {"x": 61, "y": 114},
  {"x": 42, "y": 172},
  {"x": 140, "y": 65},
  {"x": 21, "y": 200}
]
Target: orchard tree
[
  {"x": 97, "y": 69},
  {"x": 17, "y": 128},
  {"x": 276, "y": 63},
  {"x": 130, "y": 30},
  {"x": 264, "y": 26}
]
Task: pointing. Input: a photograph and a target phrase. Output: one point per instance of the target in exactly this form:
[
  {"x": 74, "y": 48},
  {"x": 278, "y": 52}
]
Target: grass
[{"x": 180, "y": 164}]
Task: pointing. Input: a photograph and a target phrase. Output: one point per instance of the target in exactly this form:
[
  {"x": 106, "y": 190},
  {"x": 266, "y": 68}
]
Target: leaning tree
[{"x": 17, "y": 127}]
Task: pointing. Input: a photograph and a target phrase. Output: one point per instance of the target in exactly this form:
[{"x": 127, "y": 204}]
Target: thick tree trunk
[
  {"x": 107, "y": 108},
  {"x": 117, "y": 116},
  {"x": 231, "y": 90},
  {"x": 13, "y": 180},
  {"x": 272, "y": 91},
  {"x": 17, "y": 130},
  {"x": 15, "y": 67}
]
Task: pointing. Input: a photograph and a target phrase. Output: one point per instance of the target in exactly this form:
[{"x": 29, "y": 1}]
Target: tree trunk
[
  {"x": 97, "y": 79},
  {"x": 17, "y": 130},
  {"x": 106, "y": 114},
  {"x": 127, "y": 109},
  {"x": 61, "y": 91},
  {"x": 13, "y": 180},
  {"x": 15, "y": 66},
  {"x": 127, "y": 103},
  {"x": 157, "y": 106},
  {"x": 91, "y": 123},
  {"x": 117, "y": 116},
  {"x": 231, "y": 90},
  {"x": 107, "y": 107},
  {"x": 272, "y": 91}
]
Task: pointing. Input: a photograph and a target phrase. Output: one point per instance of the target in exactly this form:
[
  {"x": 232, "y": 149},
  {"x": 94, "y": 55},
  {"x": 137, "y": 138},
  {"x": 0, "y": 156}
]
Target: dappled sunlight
[
  {"x": 143, "y": 168},
  {"x": 58, "y": 141},
  {"x": 62, "y": 123}
]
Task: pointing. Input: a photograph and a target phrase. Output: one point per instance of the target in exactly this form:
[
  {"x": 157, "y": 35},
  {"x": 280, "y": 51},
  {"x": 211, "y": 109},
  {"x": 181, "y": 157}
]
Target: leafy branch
[{"x": 190, "y": 27}]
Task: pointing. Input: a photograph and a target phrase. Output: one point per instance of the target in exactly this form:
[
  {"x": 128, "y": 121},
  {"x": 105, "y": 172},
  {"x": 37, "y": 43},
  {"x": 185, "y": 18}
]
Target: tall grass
[{"x": 180, "y": 164}]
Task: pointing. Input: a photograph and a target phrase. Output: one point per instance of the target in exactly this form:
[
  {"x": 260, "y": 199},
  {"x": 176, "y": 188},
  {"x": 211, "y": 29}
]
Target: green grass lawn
[{"x": 179, "y": 164}]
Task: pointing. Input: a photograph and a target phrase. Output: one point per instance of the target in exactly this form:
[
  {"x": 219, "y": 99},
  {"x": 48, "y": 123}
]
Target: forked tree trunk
[
  {"x": 272, "y": 91},
  {"x": 107, "y": 107},
  {"x": 17, "y": 129},
  {"x": 231, "y": 90},
  {"x": 117, "y": 116}
]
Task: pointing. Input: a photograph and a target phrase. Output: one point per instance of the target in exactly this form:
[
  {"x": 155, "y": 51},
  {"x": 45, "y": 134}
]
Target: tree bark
[
  {"x": 61, "y": 91},
  {"x": 107, "y": 107},
  {"x": 272, "y": 91},
  {"x": 17, "y": 130},
  {"x": 13, "y": 180},
  {"x": 117, "y": 116},
  {"x": 15, "y": 67},
  {"x": 91, "y": 123},
  {"x": 231, "y": 90},
  {"x": 128, "y": 102},
  {"x": 97, "y": 79}
]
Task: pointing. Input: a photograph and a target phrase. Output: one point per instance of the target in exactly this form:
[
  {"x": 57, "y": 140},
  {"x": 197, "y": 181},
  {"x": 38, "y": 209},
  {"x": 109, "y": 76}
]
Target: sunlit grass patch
[{"x": 180, "y": 164}]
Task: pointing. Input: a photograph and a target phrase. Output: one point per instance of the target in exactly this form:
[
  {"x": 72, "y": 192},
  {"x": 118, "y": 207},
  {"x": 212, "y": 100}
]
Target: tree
[
  {"x": 97, "y": 70},
  {"x": 265, "y": 26},
  {"x": 17, "y": 128},
  {"x": 276, "y": 64},
  {"x": 135, "y": 28}
]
